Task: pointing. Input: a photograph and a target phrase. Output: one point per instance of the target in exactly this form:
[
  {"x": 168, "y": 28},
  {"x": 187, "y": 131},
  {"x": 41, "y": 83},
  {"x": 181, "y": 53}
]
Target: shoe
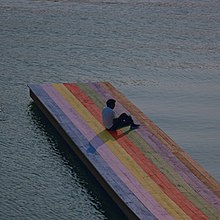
[{"x": 134, "y": 126}]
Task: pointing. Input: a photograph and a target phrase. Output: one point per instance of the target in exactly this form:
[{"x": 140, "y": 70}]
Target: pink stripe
[{"x": 109, "y": 157}]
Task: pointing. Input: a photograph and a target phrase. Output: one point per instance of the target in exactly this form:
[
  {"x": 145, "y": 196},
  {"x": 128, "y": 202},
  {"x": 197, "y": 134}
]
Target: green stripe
[{"x": 159, "y": 162}]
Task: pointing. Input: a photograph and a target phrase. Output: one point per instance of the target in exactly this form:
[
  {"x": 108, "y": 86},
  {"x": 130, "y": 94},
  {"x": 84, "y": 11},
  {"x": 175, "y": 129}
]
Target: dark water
[{"x": 163, "y": 55}]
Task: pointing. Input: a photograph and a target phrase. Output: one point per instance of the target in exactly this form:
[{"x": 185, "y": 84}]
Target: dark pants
[{"x": 122, "y": 121}]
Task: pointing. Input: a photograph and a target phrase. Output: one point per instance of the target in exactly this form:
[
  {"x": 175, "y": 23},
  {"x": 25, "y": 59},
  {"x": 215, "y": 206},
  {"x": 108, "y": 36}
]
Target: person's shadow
[{"x": 104, "y": 137}]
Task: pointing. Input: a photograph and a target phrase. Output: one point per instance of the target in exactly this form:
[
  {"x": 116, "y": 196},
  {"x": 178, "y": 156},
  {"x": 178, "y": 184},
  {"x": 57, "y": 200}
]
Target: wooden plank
[
  {"x": 198, "y": 201},
  {"x": 108, "y": 157},
  {"x": 125, "y": 159}
]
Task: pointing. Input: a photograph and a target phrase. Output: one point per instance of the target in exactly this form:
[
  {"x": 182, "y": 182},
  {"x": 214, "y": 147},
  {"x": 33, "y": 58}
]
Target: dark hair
[{"x": 110, "y": 102}]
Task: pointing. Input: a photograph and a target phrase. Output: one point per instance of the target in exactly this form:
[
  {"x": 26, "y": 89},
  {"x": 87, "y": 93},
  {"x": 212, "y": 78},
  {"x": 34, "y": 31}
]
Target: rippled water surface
[{"x": 163, "y": 55}]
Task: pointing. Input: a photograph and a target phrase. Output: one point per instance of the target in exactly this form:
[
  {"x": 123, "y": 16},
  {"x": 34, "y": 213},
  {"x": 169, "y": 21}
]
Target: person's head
[{"x": 111, "y": 103}]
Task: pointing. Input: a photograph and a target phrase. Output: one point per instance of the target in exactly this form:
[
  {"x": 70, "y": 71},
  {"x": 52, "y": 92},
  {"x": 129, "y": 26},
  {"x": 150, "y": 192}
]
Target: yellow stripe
[{"x": 171, "y": 207}]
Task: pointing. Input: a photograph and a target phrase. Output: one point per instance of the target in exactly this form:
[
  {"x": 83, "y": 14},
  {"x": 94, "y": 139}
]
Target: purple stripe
[
  {"x": 168, "y": 156},
  {"x": 108, "y": 156},
  {"x": 132, "y": 202}
]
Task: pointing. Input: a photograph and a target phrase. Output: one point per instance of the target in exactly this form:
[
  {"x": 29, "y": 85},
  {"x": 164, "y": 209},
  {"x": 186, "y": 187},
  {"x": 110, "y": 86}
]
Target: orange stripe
[{"x": 186, "y": 205}]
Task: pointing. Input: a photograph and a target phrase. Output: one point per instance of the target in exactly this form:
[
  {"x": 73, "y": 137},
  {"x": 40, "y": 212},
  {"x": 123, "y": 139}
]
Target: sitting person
[{"x": 111, "y": 122}]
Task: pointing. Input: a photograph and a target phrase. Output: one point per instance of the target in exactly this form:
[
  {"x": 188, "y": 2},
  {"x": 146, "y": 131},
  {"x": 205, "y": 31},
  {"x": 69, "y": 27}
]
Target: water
[{"x": 163, "y": 55}]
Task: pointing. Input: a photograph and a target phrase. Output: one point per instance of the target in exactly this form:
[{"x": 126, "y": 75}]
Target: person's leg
[
  {"x": 125, "y": 120},
  {"x": 122, "y": 121}
]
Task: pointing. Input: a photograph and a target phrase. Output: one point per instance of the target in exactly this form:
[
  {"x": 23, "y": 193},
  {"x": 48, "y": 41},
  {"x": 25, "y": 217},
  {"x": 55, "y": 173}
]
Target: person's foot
[{"x": 134, "y": 126}]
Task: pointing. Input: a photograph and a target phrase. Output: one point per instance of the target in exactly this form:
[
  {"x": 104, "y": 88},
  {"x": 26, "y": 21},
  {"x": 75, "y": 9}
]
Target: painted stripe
[
  {"x": 180, "y": 174},
  {"x": 140, "y": 159},
  {"x": 84, "y": 146},
  {"x": 170, "y": 144},
  {"x": 107, "y": 155},
  {"x": 136, "y": 171}
]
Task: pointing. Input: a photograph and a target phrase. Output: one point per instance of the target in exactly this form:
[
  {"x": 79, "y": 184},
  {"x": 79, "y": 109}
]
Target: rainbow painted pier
[{"x": 144, "y": 171}]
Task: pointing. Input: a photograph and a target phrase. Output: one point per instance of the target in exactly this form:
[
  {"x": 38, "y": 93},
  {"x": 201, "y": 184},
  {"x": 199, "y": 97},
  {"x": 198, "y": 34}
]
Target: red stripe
[{"x": 186, "y": 205}]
